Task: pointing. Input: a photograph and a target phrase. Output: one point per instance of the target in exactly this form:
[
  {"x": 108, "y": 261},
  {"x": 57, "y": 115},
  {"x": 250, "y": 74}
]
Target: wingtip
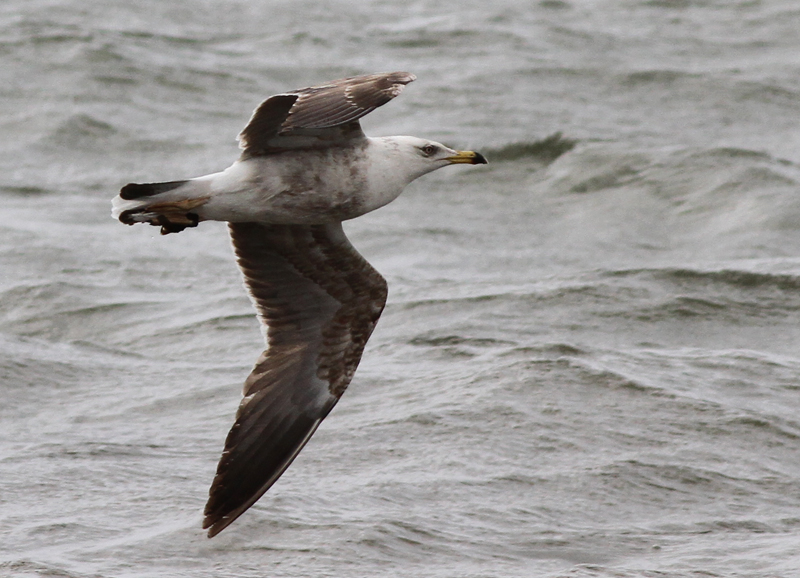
[
  {"x": 215, "y": 527},
  {"x": 399, "y": 79},
  {"x": 216, "y": 523},
  {"x": 402, "y": 77},
  {"x": 394, "y": 82}
]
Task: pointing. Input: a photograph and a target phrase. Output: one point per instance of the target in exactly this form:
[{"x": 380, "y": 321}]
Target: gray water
[{"x": 589, "y": 363}]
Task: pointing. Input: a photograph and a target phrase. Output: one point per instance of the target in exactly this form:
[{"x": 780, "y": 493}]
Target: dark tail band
[{"x": 133, "y": 191}]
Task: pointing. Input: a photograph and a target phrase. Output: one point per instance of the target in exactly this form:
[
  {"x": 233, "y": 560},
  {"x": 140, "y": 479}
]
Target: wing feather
[
  {"x": 320, "y": 301},
  {"x": 324, "y": 115}
]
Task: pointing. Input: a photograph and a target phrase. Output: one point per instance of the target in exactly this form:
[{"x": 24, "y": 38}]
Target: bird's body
[
  {"x": 306, "y": 166},
  {"x": 311, "y": 187}
]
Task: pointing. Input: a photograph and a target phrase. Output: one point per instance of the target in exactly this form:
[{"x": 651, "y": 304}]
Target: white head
[
  {"x": 401, "y": 159},
  {"x": 395, "y": 161}
]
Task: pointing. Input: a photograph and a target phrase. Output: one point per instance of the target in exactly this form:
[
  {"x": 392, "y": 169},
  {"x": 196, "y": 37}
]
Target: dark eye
[{"x": 429, "y": 150}]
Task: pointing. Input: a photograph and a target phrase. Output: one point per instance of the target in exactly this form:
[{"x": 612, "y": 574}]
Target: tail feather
[
  {"x": 133, "y": 191},
  {"x": 159, "y": 204}
]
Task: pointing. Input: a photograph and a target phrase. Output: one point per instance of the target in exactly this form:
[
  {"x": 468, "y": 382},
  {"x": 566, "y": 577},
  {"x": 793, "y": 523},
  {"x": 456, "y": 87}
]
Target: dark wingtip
[{"x": 214, "y": 528}]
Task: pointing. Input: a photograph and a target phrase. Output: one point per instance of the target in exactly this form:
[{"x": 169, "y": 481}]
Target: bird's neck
[{"x": 388, "y": 170}]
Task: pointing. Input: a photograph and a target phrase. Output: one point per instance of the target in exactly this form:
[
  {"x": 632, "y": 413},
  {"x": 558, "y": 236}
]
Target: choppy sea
[{"x": 589, "y": 365}]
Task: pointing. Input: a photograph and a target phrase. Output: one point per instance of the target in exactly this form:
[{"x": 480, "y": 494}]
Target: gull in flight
[{"x": 305, "y": 167}]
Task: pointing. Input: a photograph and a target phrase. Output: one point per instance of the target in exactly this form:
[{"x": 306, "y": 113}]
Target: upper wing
[
  {"x": 319, "y": 115},
  {"x": 320, "y": 301}
]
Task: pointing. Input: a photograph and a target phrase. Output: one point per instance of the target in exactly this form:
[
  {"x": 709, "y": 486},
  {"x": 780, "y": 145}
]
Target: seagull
[{"x": 305, "y": 167}]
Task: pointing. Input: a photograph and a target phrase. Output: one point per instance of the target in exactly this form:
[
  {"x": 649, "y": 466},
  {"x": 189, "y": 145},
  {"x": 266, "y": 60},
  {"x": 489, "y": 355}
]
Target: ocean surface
[{"x": 589, "y": 365}]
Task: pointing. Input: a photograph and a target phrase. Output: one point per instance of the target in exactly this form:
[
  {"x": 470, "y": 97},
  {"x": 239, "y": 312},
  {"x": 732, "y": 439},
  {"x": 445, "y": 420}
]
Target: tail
[
  {"x": 167, "y": 205},
  {"x": 133, "y": 191}
]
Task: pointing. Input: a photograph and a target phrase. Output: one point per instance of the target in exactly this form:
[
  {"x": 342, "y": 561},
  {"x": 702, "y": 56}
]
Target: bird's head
[{"x": 420, "y": 156}]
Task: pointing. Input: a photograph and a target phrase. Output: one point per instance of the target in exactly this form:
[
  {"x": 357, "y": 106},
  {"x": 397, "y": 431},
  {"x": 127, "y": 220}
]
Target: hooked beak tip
[
  {"x": 479, "y": 159},
  {"x": 468, "y": 157}
]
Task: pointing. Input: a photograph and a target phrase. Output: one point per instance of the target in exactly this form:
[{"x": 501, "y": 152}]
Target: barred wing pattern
[{"x": 320, "y": 301}]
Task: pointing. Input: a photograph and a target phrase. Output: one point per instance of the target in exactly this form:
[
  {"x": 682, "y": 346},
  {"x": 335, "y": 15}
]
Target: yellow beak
[{"x": 467, "y": 157}]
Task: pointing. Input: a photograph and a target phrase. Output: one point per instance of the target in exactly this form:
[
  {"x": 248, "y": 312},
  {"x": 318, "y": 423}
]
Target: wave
[
  {"x": 688, "y": 172},
  {"x": 700, "y": 278},
  {"x": 25, "y": 190},
  {"x": 83, "y": 133},
  {"x": 545, "y": 150}
]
